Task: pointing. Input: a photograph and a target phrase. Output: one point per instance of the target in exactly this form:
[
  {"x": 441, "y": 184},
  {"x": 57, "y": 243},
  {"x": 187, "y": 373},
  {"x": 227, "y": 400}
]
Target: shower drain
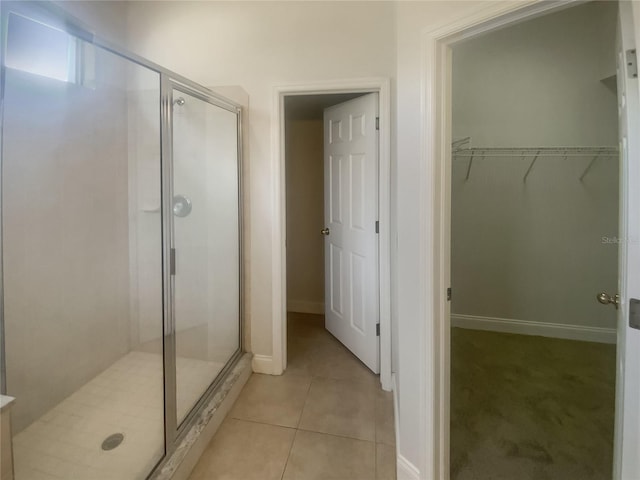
[{"x": 112, "y": 441}]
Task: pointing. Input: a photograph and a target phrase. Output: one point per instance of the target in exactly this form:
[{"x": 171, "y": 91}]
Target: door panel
[
  {"x": 335, "y": 270},
  {"x": 335, "y": 191},
  {"x": 351, "y": 212},
  {"x": 206, "y": 241}
]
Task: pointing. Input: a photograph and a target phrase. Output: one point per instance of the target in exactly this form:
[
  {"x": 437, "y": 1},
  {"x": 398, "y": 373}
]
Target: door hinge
[
  {"x": 378, "y": 122},
  {"x": 172, "y": 261},
  {"x": 632, "y": 63},
  {"x": 449, "y": 294},
  {"x": 377, "y": 329},
  {"x": 634, "y": 313},
  {"x": 377, "y": 226}
]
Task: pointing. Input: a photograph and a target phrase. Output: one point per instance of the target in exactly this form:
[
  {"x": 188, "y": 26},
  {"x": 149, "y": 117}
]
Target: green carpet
[{"x": 530, "y": 408}]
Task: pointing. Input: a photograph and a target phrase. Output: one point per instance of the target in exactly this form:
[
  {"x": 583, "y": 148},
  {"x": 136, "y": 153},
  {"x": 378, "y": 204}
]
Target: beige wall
[
  {"x": 535, "y": 251},
  {"x": 305, "y": 213},
  {"x": 413, "y": 204},
  {"x": 259, "y": 45},
  {"x": 106, "y": 18}
]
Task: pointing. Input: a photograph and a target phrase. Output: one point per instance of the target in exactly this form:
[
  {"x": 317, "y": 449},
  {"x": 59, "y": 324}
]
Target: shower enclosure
[{"x": 121, "y": 250}]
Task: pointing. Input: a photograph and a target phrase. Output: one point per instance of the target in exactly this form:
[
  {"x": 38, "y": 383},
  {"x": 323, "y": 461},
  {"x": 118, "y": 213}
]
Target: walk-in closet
[{"x": 534, "y": 248}]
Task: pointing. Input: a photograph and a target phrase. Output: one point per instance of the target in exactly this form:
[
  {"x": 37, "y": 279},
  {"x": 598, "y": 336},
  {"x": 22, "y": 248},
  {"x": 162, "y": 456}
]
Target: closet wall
[{"x": 537, "y": 251}]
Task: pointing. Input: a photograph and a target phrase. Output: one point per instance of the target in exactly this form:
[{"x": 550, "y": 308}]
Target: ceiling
[{"x": 311, "y": 107}]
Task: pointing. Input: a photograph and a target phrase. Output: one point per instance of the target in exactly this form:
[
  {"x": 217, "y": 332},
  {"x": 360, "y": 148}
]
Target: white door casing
[
  {"x": 627, "y": 428},
  {"x": 351, "y": 212},
  {"x": 433, "y": 392},
  {"x": 276, "y": 363}
]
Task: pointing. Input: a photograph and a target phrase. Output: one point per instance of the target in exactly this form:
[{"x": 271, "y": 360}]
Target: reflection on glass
[
  {"x": 40, "y": 49},
  {"x": 205, "y": 168},
  {"x": 82, "y": 258}
]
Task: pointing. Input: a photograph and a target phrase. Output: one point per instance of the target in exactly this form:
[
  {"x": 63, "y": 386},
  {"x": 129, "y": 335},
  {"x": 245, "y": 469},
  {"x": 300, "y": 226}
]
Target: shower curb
[{"x": 177, "y": 465}]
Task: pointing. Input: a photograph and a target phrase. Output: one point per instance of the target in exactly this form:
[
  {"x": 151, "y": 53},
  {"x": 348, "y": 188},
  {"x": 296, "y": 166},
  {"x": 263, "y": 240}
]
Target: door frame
[
  {"x": 435, "y": 190},
  {"x": 279, "y": 266}
]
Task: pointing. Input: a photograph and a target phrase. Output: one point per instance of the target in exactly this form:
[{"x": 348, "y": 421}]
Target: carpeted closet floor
[{"x": 530, "y": 408}]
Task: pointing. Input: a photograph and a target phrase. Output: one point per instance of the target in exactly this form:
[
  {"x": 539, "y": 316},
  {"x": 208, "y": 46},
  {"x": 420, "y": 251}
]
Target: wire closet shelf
[{"x": 461, "y": 149}]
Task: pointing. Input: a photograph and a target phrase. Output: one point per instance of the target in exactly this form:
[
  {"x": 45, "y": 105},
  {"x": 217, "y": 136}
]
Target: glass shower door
[
  {"x": 206, "y": 283},
  {"x": 82, "y": 254}
]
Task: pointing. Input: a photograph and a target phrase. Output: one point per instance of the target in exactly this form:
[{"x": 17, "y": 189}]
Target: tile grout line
[
  {"x": 306, "y": 399},
  {"x": 262, "y": 423},
  {"x": 286, "y": 464},
  {"x": 375, "y": 460},
  {"x": 304, "y": 405},
  {"x": 375, "y": 419},
  {"x": 336, "y": 435}
]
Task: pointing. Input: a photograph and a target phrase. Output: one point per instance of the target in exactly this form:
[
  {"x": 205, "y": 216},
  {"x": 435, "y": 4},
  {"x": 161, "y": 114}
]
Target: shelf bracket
[
  {"x": 586, "y": 170},
  {"x": 469, "y": 167},
  {"x": 524, "y": 180}
]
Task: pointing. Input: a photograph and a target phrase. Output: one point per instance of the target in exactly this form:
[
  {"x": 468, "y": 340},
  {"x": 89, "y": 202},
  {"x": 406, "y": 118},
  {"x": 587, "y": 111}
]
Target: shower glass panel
[
  {"x": 206, "y": 242},
  {"x": 82, "y": 253}
]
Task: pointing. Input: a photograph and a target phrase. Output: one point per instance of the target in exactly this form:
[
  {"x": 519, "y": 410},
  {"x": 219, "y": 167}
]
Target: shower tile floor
[{"x": 127, "y": 398}]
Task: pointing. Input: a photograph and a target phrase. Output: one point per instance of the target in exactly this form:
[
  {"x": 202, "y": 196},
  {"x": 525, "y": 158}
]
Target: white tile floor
[
  {"x": 325, "y": 418},
  {"x": 127, "y": 398}
]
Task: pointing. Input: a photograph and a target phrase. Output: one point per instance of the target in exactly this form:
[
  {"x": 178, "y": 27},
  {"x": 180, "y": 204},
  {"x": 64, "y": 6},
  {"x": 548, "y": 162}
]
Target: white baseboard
[
  {"x": 396, "y": 417},
  {"x": 304, "y": 306},
  {"x": 262, "y": 364},
  {"x": 406, "y": 469},
  {"x": 525, "y": 327}
]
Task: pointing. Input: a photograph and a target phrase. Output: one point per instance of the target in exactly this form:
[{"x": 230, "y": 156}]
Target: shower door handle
[{"x": 172, "y": 261}]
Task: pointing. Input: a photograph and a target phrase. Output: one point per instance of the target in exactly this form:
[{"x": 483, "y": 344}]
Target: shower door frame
[
  {"x": 174, "y": 432},
  {"x": 57, "y": 17}
]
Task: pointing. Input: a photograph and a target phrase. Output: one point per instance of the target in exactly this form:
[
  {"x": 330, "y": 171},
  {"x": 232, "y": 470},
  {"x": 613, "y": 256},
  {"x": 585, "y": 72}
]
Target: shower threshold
[{"x": 126, "y": 398}]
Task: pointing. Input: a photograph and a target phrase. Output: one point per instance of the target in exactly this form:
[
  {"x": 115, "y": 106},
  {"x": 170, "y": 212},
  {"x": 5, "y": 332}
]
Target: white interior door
[
  {"x": 351, "y": 213},
  {"x": 627, "y": 436}
]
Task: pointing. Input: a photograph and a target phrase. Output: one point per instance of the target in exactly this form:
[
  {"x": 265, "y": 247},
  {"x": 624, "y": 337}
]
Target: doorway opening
[
  {"x": 331, "y": 166},
  {"x": 350, "y": 178},
  {"x": 535, "y": 190},
  {"x": 330, "y": 169}
]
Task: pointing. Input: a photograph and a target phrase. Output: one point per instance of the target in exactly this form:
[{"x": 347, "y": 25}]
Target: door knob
[
  {"x": 325, "y": 231},
  {"x": 605, "y": 299}
]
